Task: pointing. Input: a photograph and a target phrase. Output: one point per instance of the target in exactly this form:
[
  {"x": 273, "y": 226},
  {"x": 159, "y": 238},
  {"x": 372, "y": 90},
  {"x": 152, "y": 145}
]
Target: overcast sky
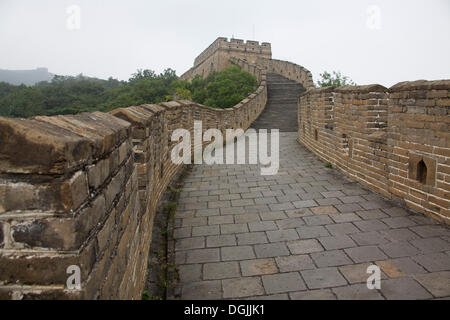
[{"x": 370, "y": 41}]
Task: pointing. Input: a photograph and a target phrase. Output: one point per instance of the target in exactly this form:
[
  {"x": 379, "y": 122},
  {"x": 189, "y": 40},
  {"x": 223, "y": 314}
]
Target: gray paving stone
[
  {"x": 281, "y": 296},
  {"x": 395, "y": 212},
  {"x": 400, "y": 267},
  {"x": 190, "y": 243},
  {"x": 281, "y": 206},
  {"x": 430, "y": 231},
  {"x": 195, "y": 205},
  {"x": 220, "y": 220},
  {"x": 365, "y": 254},
  {"x": 357, "y": 292},
  {"x": 202, "y": 255},
  {"x": 349, "y": 207},
  {"x": 431, "y": 245},
  {"x": 290, "y": 223},
  {"x": 207, "y": 212},
  {"x": 333, "y": 258},
  {"x": 233, "y": 196},
  {"x": 434, "y": 262},
  {"x": 375, "y": 204},
  {"x": 203, "y": 290},
  {"x": 221, "y": 241},
  {"x": 318, "y": 220},
  {"x": 190, "y": 273},
  {"x": 403, "y": 289},
  {"x": 304, "y": 246},
  {"x": 437, "y": 283},
  {"x": 399, "y": 249},
  {"x": 328, "y": 201},
  {"x": 272, "y": 216},
  {"x": 233, "y": 228},
  {"x": 232, "y": 210},
  {"x": 220, "y": 270},
  {"x": 345, "y": 217},
  {"x": 294, "y": 263},
  {"x": 266, "y": 200},
  {"x": 372, "y": 214},
  {"x": 271, "y": 250},
  {"x": 402, "y": 234},
  {"x": 258, "y": 267},
  {"x": 399, "y": 222},
  {"x": 185, "y": 214},
  {"x": 282, "y": 235},
  {"x": 371, "y": 225},
  {"x": 357, "y": 273},
  {"x": 205, "y": 231},
  {"x": 237, "y": 253},
  {"x": 332, "y": 194},
  {"x": 242, "y": 287},
  {"x": 337, "y": 242},
  {"x": 251, "y": 195},
  {"x": 251, "y": 238},
  {"x": 369, "y": 238},
  {"x": 194, "y": 222},
  {"x": 262, "y": 226},
  {"x": 323, "y": 278},
  {"x": 180, "y": 257},
  {"x": 248, "y": 217},
  {"x": 283, "y": 282},
  {"x": 309, "y": 232},
  {"x": 304, "y": 204},
  {"x": 242, "y": 202},
  {"x": 342, "y": 228},
  {"x": 207, "y": 198},
  {"x": 324, "y": 294},
  {"x": 182, "y": 233},
  {"x": 422, "y": 219}
]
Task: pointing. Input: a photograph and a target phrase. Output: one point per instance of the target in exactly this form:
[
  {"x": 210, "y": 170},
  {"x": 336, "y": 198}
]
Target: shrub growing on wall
[{"x": 334, "y": 79}]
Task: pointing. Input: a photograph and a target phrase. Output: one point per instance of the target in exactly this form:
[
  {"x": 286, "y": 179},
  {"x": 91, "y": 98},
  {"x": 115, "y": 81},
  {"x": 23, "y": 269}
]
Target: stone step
[{"x": 281, "y": 109}]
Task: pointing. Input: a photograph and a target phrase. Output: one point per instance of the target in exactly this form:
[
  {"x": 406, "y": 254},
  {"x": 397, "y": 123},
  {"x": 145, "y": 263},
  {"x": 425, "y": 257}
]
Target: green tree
[{"x": 335, "y": 79}]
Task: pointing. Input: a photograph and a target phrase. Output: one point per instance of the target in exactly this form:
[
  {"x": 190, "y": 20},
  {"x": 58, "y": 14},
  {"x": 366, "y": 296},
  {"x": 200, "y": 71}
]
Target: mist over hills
[{"x": 26, "y": 77}]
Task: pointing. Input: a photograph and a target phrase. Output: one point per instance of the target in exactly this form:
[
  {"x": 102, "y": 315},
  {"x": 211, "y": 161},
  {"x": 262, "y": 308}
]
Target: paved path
[{"x": 305, "y": 233}]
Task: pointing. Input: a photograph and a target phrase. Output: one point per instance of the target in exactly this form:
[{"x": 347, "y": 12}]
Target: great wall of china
[{"x": 83, "y": 189}]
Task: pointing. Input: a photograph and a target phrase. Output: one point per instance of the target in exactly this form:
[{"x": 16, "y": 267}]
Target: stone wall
[
  {"x": 83, "y": 189},
  {"x": 217, "y": 56},
  {"x": 395, "y": 141}
]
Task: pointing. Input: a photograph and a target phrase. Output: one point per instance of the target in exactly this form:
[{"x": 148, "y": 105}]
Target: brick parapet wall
[
  {"x": 395, "y": 141},
  {"x": 287, "y": 69},
  {"x": 83, "y": 190}
]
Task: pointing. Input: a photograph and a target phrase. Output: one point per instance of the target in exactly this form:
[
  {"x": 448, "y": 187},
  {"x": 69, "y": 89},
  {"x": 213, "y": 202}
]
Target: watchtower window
[
  {"x": 316, "y": 134},
  {"x": 422, "y": 172}
]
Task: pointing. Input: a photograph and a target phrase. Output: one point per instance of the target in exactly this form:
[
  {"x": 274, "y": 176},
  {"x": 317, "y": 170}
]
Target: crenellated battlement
[{"x": 249, "y": 46}]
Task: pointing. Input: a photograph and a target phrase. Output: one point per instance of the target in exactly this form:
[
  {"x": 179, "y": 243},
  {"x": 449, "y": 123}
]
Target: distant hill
[{"x": 27, "y": 77}]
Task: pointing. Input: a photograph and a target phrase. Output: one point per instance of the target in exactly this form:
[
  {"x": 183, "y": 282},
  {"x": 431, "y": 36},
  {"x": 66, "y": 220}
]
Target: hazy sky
[{"x": 370, "y": 41}]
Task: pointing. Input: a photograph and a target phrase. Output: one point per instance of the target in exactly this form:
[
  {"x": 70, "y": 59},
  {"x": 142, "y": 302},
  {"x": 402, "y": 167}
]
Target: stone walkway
[{"x": 306, "y": 233}]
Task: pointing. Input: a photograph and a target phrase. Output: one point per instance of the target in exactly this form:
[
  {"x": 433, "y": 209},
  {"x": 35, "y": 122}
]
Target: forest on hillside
[{"x": 71, "y": 95}]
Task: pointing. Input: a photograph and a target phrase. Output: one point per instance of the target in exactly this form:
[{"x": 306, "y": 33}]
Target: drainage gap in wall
[{"x": 422, "y": 172}]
